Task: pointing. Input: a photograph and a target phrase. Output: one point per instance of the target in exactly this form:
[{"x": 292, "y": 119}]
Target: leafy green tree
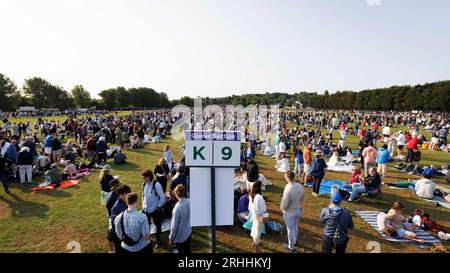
[
  {"x": 9, "y": 94},
  {"x": 81, "y": 97}
]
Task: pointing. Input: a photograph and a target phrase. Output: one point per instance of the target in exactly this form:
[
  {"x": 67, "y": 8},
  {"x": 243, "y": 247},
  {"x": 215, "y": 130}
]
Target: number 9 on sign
[{"x": 226, "y": 153}]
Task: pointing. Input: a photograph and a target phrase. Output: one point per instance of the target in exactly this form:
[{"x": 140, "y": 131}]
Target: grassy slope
[{"x": 45, "y": 221}]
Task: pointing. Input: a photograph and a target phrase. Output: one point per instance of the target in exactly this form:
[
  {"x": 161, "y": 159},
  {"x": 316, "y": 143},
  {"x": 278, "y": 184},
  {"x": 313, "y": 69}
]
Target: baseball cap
[{"x": 336, "y": 198}]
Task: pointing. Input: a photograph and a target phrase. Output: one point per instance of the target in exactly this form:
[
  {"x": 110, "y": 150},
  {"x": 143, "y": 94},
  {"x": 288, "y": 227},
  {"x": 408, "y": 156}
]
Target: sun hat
[
  {"x": 107, "y": 168},
  {"x": 318, "y": 153}
]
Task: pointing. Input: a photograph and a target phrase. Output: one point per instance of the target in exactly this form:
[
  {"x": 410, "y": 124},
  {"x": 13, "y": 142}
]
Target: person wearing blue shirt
[
  {"x": 153, "y": 199},
  {"x": 119, "y": 207},
  {"x": 11, "y": 152},
  {"x": 179, "y": 179},
  {"x": 298, "y": 161},
  {"x": 331, "y": 217},
  {"x": 133, "y": 228},
  {"x": 48, "y": 144},
  {"x": 180, "y": 227},
  {"x": 383, "y": 157}
]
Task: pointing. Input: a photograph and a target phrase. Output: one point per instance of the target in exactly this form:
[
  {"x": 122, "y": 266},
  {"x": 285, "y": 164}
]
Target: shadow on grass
[{"x": 21, "y": 208}]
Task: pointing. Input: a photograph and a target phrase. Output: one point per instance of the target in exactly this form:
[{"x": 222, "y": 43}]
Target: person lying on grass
[{"x": 394, "y": 224}]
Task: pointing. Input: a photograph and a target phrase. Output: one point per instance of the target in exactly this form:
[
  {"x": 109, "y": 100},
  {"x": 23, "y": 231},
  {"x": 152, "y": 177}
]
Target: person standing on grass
[
  {"x": 162, "y": 173},
  {"x": 401, "y": 141},
  {"x": 133, "y": 229},
  {"x": 112, "y": 199},
  {"x": 307, "y": 159},
  {"x": 370, "y": 156},
  {"x": 180, "y": 227},
  {"x": 56, "y": 149},
  {"x": 298, "y": 161},
  {"x": 105, "y": 179},
  {"x": 336, "y": 221},
  {"x": 383, "y": 157},
  {"x": 412, "y": 147},
  {"x": 25, "y": 162},
  {"x": 257, "y": 207},
  {"x": 119, "y": 207},
  {"x": 101, "y": 149},
  {"x": 168, "y": 156},
  {"x": 293, "y": 195},
  {"x": 153, "y": 199},
  {"x": 318, "y": 167},
  {"x": 5, "y": 165},
  {"x": 91, "y": 148}
]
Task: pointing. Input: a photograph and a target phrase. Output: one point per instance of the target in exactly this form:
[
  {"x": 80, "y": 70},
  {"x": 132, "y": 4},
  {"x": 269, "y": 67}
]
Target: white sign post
[{"x": 212, "y": 157}]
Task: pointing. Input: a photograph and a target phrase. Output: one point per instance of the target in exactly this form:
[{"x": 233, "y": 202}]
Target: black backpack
[
  {"x": 120, "y": 158},
  {"x": 340, "y": 234},
  {"x": 125, "y": 238}
]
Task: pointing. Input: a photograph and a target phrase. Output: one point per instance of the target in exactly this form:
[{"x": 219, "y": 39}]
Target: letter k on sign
[{"x": 198, "y": 152}]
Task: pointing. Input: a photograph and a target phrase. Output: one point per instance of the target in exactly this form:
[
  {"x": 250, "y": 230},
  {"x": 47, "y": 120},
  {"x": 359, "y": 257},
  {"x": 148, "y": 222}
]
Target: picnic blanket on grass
[
  {"x": 439, "y": 200},
  {"x": 64, "y": 184},
  {"x": 325, "y": 186},
  {"x": 371, "y": 218},
  {"x": 341, "y": 168}
]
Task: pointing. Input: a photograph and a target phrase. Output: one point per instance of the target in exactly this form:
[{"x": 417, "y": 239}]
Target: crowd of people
[{"x": 79, "y": 142}]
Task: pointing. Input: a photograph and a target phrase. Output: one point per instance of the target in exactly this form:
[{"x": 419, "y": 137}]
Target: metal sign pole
[{"x": 213, "y": 210}]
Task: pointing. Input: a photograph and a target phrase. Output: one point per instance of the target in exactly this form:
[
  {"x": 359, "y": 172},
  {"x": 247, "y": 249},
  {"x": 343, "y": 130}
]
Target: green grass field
[{"x": 46, "y": 221}]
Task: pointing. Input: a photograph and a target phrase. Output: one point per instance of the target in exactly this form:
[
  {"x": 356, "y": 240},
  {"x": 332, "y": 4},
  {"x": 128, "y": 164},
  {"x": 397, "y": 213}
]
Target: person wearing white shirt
[
  {"x": 401, "y": 141},
  {"x": 293, "y": 195},
  {"x": 257, "y": 207},
  {"x": 283, "y": 164},
  {"x": 386, "y": 131},
  {"x": 168, "y": 156},
  {"x": 425, "y": 187}
]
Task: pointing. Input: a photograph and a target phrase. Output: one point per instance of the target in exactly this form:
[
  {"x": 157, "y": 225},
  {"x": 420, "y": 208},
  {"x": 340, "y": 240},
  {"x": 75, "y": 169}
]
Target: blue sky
[{"x": 218, "y": 48}]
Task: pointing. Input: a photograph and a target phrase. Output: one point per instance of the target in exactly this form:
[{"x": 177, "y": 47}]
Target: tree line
[{"x": 40, "y": 93}]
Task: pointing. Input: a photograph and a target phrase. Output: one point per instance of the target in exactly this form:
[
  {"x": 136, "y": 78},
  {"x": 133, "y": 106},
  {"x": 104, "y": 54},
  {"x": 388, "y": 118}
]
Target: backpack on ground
[
  {"x": 429, "y": 171},
  {"x": 120, "y": 158},
  {"x": 275, "y": 227}
]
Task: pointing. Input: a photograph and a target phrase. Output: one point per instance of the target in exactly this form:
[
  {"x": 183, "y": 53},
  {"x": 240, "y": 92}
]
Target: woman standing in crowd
[
  {"x": 25, "y": 162},
  {"x": 162, "y": 173},
  {"x": 180, "y": 227},
  {"x": 168, "y": 156},
  {"x": 153, "y": 199},
  {"x": 257, "y": 207},
  {"x": 105, "y": 178},
  {"x": 318, "y": 171}
]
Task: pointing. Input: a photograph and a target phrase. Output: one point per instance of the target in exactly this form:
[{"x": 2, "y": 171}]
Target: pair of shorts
[
  {"x": 307, "y": 168},
  {"x": 48, "y": 150},
  {"x": 400, "y": 147},
  {"x": 403, "y": 232},
  {"x": 57, "y": 152}
]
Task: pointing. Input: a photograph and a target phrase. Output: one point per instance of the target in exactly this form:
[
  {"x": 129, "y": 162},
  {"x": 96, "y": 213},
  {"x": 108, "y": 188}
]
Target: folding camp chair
[{"x": 375, "y": 194}]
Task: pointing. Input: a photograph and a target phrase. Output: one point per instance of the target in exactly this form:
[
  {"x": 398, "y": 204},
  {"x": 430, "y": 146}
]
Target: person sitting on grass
[
  {"x": 54, "y": 175},
  {"x": 70, "y": 170},
  {"x": 242, "y": 208},
  {"x": 369, "y": 184},
  {"x": 44, "y": 163},
  {"x": 283, "y": 164},
  {"x": 400, "y": 223}
]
